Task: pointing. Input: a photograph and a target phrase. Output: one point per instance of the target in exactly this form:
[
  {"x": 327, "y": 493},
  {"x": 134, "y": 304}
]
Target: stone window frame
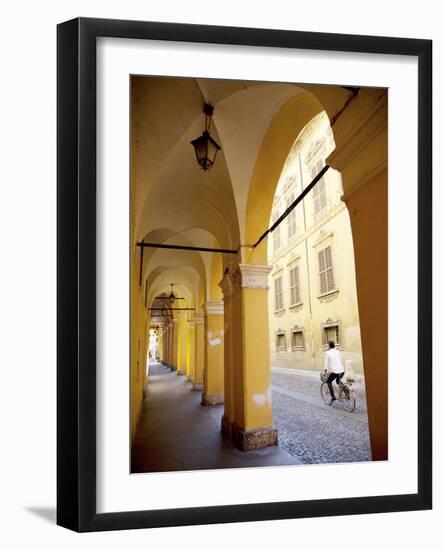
[
  {"x": 296, "y": 329},
  {"x": 330, "y": 323},
  {"x": 278, "y": 333}
]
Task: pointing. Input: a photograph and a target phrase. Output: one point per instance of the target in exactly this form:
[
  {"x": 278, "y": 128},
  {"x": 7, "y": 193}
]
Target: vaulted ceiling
[{"x": 173, "y": 200}]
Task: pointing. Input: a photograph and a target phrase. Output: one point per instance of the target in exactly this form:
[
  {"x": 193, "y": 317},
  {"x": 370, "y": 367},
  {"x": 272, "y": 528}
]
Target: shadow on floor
[
  {"x": 175, "y": 432},
  {"x": 46, "y": 513}
]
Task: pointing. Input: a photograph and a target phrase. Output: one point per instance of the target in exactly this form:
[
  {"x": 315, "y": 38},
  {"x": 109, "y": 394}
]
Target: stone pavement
[
  {"x": 312, "y": 431},
  {"x": 176, "y": 432}
]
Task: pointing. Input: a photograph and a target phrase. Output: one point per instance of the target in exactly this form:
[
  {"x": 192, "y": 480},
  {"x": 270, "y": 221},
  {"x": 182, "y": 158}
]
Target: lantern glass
[{"x": 206, "y": 150}]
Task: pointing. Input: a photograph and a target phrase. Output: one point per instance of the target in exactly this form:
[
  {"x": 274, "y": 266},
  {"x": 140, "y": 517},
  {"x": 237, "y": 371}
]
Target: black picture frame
[{"x": 76, "y": 273}]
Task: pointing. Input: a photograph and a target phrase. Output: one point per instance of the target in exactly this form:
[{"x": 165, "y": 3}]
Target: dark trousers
[{"x": 334, "y": 376}]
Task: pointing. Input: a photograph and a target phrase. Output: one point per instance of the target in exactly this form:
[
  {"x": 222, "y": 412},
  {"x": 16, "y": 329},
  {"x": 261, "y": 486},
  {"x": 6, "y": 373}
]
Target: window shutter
[
  {"x": 328, "y": 257},
  {"x": 330, "y": 283},
  {"x": 322, "y": 194},
  {"x": 297, "y": 285},
  {"x": 291, "y": 217},
  {"x": 323, "y": 284},
  {"x": 278, "y": 294},
  {"x": 319, "y": 191},
  {"x": 321, "y": 260},
  {"x": 326, "y": 270},
  {"x": 322, "y": 273}
]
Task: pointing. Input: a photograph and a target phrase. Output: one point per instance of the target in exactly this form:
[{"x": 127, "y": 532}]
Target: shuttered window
[
  {"x": 276, "y": 233},
  {"x": 278, "y": 292},
  {"x": 319, "y": 191},
  {"x": 326, "y": 270},
  {"x": 291, "y": 218},
  {"x": 294, "y": 286}
]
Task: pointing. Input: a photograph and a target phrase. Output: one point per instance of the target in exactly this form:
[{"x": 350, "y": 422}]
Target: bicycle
[{"x": 345, "y": 393}]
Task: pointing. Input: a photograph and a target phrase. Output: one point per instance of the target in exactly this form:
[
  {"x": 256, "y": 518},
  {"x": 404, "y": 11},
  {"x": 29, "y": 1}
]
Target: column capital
[
  {"x": 191, "y": 323},
  {"x": 245, "y": 276},
  {"x": 199, "y": 318},
  {"x": 214, "y": 308},
  {"x": 254, "y": 276}
]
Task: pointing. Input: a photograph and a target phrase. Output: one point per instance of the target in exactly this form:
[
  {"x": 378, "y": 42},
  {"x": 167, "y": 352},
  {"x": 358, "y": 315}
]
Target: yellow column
[
  {"x": 174, "y": 345},
  {"x": 248, "y": 418},
  {"x": 199, "y": 352},
  {"x": 182, "y": 343},
  {"x": 190, "y": 359},
  {"x": 167, "y": 344},
  {"x": 230, "y": 330},
  {"x": 164, "y": 342},
  {"x": 361, "y": 155},
  {"x": 213, "y": 375}
]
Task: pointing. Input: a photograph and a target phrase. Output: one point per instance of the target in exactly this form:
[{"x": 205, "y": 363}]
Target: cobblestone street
[{"x": 312, "y": 431}]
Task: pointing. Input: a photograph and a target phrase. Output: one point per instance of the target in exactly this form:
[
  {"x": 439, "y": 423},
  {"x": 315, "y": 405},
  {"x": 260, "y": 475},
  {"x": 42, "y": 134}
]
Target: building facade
[{"x": 312, "y": 297}]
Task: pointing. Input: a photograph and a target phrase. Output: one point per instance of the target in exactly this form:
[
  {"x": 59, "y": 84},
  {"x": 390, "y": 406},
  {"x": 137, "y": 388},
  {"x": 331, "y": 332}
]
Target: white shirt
[{"x": 333, "y": 362}]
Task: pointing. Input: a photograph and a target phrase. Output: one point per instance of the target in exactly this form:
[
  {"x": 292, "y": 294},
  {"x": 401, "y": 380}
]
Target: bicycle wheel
[
  {"x": 348, "y": 398},
  {"x": 325, "y": 393}
]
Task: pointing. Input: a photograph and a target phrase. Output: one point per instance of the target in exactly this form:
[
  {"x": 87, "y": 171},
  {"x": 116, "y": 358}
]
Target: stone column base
[
  {"x": 212, "y": 399},
  {"x": 197, "y": 387},
  {"x": 181, "y": 372},
  {"x": 253, "y": 439}
]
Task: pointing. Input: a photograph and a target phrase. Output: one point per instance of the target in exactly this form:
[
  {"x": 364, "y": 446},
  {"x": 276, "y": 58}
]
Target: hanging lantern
[
  {"x": 172, "y": 295},
  {"x": 205, "y": 147}
]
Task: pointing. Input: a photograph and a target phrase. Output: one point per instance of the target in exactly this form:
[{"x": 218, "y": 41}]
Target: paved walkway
[
  {"x": 176, "y": 433},
  {"x": 312, "y": 431}
]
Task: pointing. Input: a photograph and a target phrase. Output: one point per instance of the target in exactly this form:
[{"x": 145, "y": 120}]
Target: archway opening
[{"x": 313, "y": 305}]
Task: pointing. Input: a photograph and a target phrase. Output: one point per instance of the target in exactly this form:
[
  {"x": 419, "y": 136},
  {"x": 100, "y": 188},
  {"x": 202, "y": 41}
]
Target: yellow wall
[
  {"x": 182, "y": 350},
  {"x": 190, "y": 356},
  {"x": 256, "y": 371},
  {"x": 213, "y": 374},
  {"x": 139, "y": 345},
  {"x": 199, "y": 350}
]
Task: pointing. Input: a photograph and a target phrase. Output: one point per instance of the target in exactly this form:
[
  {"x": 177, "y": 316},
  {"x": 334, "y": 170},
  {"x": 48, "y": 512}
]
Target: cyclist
[{"x": 333, "y": 365}]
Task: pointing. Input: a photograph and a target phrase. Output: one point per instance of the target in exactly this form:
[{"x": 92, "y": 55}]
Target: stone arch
[{"x": 287, "y": 124}]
